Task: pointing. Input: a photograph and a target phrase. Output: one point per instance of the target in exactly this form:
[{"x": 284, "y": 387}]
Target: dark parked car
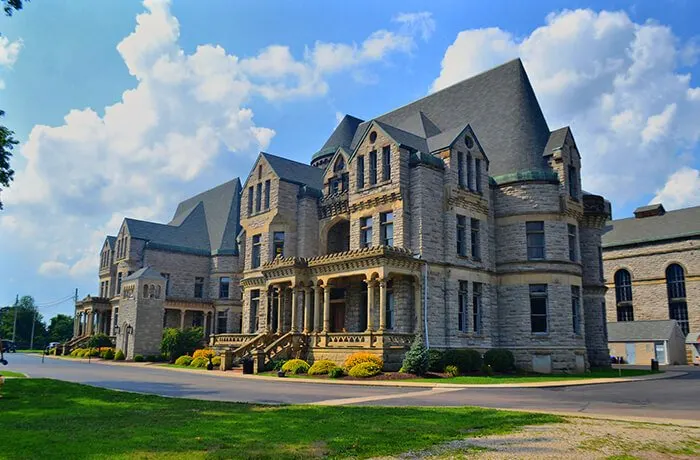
[{"x": 8, "y": 346}]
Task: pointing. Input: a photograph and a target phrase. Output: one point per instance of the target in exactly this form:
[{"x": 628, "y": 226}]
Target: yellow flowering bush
[
  {"x": 362, "y": 357},
  {"x": 321, "y": 367},
  {"x": 364, "y": 370},
  {"x": 203, "y": 353},
  {"x": 296, "y": 366}
]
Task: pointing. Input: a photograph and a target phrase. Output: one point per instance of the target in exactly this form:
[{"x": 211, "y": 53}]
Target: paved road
[{"x": 677, "y": 398}]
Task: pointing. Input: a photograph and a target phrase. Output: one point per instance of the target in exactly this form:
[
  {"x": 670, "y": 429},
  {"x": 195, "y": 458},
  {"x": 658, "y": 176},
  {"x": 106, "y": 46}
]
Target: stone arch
[
  {"x": 337, "y": 236},
  {"x": 151, "y": 291},
  {"x": 145, "y": 291},
  {"x": 158, "y": 291}
]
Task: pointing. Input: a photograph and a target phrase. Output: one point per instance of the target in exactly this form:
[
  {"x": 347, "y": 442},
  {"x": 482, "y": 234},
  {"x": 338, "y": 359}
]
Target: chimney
[{"x": 649, "y": 211}]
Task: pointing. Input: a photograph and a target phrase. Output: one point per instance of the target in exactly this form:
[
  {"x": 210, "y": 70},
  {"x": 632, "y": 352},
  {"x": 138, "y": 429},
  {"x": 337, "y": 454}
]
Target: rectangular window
[
  {"x": 461, "y": 235},
  {"x": 366, "y": 232},
  {"x": 678, "y": 310},
  {"x": 572, "y": 242},
  {"x": 601, "y": 276},
  {"x": 460, "y": 169},
  {"x": 333, "y": 186},
  {"x": 476, "y": 307},
  {"x": 463, "y": 300},
  {"x": 477, "y": 173},
  {"x": 360, "y": 172},
  {"x": 386, "y": 221},
  {"x": 625, "y": 313},
  {"x": 119, "y": 283},
  {"x": 386, "y": 163},
  {"x": 255, "y": 253},
  {"x": 167, "y": 282},
  {"x": 476, "y": 243},
  {"x": 198, "y": 287},
  {"x": 116, "y": 320},
  {"x": 221, "y": 320},
  {"x": 254, "y": 305},
  {"x": 390, "y": 305},
  {"x": 267, "y": 194},
  {"x": 373, "y": 167},
  {"x": 258, "y": 197},
  {"x": 538, "y": 308},
  {"x": 250, "y": 201},
  {"x": 573, "y": 182},
  {"x": 535, "y": 240},
  {"x": 470, "y": 183},
  {"x": 224, "y": 283},
  {"x": 278, "y": 244},
  {"x": 576, "y": 308}
]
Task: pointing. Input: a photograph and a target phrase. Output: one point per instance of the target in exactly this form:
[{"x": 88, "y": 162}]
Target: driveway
[{"x": 677, "y": 398}]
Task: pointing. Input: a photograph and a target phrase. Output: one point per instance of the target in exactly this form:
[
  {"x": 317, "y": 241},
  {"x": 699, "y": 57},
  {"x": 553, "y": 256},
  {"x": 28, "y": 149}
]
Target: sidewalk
[{"x": 237, "y": 373}]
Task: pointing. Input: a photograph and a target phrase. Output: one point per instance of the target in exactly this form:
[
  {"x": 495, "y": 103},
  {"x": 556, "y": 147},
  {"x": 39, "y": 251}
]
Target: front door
[
  {"x": 630, "y": 351},
  {"x": 338, "y": 315},
  {"x": 660, "y": 352}
]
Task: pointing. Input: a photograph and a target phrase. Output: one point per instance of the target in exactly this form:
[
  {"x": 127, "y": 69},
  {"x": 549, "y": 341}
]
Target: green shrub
[
  {"x": 364, "y": 370},
  {"x": 336, "y": 372},
  {"x": 92, "y": 353},
  {"x": 321, "y": 367},
  {"x": 500, "y": 359},
  {"x": 99, "y": 340},
  {"x": 176, "y": 343},
  {"x": 436, "y": 362},
  {"x": 155, "y": 358},
  {"x": 199, "y": 362},
  {"x": 452, "y": 371},
  {"x": 275, "y": 364},
  {"x": 417, "y": 358},
  {"x": 296, "y": 366},
  {"x": 139, "y": 358},
  {"x": 184, "y": 360},
  {"x": 119, "y": 356},
  {"x": 486, "y": 369},
  {"x": 108, "y": 354},
  {"x": 362, "y": 357},
  {"x": 466, "y": 359},
  {"x": 76, "y": 352},
  {"x": 216, "y": 361}
]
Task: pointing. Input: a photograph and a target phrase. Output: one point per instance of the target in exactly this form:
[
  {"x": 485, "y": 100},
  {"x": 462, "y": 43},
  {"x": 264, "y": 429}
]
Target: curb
[{"x": 398, "y": 383}]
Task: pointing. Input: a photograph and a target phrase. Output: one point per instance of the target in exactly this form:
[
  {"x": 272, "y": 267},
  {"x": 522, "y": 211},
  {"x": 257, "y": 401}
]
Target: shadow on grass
[{"x": 51, "y": 419}]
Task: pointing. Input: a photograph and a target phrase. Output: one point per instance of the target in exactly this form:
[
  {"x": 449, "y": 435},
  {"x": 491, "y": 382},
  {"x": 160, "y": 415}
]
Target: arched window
[
  {"x": 145, "y": 291},
  {"x": 623, "y": 295},
  {"x": 151, "y": 291},
  {"x": 677, "y": 305},
  {"x": 158, "y": 291},
  {"x": 339, "y": 164}
]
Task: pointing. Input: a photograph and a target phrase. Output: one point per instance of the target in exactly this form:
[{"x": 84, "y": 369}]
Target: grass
[
  {"x": 30, "y": 351},
  {"x": 180, "y": 366},
  {"x": 5, "y": 373},
  {"x": 628, "y": 448},
  {"x": 82, "y": 421},
  {"x": 496, "y": 379}
]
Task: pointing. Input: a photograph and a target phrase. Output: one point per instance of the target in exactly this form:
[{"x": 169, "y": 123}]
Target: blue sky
[{"x": 117, "y": 119}]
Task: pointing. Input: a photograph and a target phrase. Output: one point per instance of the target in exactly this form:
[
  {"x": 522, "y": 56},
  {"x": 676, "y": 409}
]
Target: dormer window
[{"x": 339, "y": 165}]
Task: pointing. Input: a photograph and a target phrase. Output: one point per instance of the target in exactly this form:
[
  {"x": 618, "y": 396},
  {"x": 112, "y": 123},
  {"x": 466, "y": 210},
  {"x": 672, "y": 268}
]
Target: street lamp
[
  {"x": 116, "y": 329},
  {"x": 129, "y": 329}
]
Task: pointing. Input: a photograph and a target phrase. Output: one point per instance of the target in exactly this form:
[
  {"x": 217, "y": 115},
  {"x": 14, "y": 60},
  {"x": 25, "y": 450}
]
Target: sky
[{"x": 125, "y": 108}]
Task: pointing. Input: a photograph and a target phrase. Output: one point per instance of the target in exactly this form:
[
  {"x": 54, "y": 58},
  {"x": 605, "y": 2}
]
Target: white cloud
[
  {"x": 9, "y": 50},
  {"x": 421, "y": 22},
  {"x": 185, "y": 125},
  {"x": 617, "y": 83},
  {"x": 680, "y": 190}
]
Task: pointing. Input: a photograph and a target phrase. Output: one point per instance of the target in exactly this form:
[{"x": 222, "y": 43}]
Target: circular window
[
  {"x": 469, "y": 141},
  {"x": 373, "y": 136}
]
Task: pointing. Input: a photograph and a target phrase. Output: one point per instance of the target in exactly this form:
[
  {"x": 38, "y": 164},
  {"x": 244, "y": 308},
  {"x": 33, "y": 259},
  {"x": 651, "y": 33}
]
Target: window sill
[
  {"x": 258, "y": 213},
  {"x": 539, "y": 335}
]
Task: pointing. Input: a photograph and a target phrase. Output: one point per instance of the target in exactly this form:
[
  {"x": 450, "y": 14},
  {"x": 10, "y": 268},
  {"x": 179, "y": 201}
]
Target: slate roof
[
  {"x": 145, "y": 273},
  {"x": 641, "y": 331},
  {"x": 499, "y": 104},
  {"x": 341, "y": 137},
  {"x": 295, "y": 172},
  {"x": 204, "y": 224},
  {"x": 405, "y": 138},
  {"x": 111, "y": 240},
  {"x": 556, "y": 139},
  {"x": 682, "y": 223}
]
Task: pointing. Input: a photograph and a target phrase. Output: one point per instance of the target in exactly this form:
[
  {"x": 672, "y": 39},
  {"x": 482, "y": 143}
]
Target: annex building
[
  {"x": 652, "y": 270},
  {"x": 459, "y": 217}
]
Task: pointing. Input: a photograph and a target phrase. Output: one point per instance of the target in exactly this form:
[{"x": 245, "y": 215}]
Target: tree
[
  {"x": 26, "y": 315},
  {"x": 7, "y": 142},
  {"x": 60, "y": 328}
]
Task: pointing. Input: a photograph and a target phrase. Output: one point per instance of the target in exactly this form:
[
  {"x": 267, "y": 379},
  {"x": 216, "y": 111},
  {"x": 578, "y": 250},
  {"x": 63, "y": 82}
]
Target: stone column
[
  {"x": 327, "y": 307},
  {"x": 382, "y": 305},
  {"x": 89, "y": 322},
  {"x": 182, "y": 320},
  {"x": 280, "y": 300},
  {"x": 206, "y": 324},
  {"x": 418, "y": 305},
  {"x": 295, "y": 315},
  {"x": 370, "y": 304},
  {"x": 307, "y": 310},
  {"x": 317, "y": 308}
]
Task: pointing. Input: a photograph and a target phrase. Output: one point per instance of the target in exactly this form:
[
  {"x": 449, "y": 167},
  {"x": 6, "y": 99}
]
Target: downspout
[{"x": 425, "y": 302}]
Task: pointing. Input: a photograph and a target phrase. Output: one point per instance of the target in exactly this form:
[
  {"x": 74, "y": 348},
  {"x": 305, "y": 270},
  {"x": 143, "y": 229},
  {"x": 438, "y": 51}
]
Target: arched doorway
[{"x": 338, "y": 237}]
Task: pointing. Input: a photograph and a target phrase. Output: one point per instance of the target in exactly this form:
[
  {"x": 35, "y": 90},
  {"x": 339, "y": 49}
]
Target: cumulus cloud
[
  {"x": 9, "y": 51},
  {"x": 680, "y": 190},
  {"x": 186, "y": 124},
  {"x": 617, "y": 83},
  {"x": 421, "y": 22}
]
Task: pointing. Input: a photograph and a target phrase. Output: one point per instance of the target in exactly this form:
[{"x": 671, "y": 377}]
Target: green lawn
[
  {"x": 5, "y": 373},
  {"x": 30, "y": 351},
  {"x": 44, "y": 418},
  {"x": 496, "y": 379}
]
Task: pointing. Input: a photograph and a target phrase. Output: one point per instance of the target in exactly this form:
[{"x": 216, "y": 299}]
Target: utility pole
[
  {"x": 31, "y": 341},
  {"x": 14, "y": 325}
]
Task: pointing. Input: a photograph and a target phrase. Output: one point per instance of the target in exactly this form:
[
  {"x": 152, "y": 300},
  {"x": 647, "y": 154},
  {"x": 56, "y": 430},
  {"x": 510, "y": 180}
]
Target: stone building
[
  {"x": 459, "y": 217},
  {"x": 652, "y": 266},
  {"x": 195, "y": 254}
]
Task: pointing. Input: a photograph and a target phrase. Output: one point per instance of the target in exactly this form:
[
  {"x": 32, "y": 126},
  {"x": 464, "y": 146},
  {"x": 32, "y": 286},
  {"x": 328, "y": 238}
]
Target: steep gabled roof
[
  {"x": 341, "y": 137},
  {"x": 682, "y": 223},
  {"x": 146, "y": 273},
  {"x": 295, "y": 172},
  {"x": 419, "y": 124},
  {"x": 404, "y": 137},
  {"x": 111, "y": 240},
  {"x": 641, "y": 331},
  {"x": 556, "y": 140},
  {"x": 499, "y": 104}
]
